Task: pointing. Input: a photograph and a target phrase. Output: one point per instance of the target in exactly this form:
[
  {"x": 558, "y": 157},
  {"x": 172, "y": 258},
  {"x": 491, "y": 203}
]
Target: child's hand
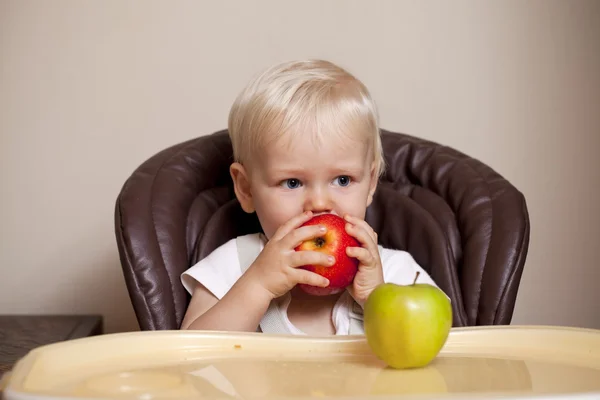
[
  {"x": 276, "y": 270},
  {"x": 370, "y": 271}
]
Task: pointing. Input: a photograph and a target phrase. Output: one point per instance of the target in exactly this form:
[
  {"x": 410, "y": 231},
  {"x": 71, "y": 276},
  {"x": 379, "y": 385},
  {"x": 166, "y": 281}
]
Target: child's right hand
[{"x": 276, "y": 270}]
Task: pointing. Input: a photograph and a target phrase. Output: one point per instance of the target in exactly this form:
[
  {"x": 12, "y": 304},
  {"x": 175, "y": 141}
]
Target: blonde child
[{"x": 306, "y": 141}]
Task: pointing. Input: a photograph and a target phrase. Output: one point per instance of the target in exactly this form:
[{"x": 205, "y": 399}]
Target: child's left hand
[{"x": 370, "y": 271}]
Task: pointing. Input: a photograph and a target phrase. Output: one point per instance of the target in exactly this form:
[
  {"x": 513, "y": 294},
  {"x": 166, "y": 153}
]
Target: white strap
[
  {"x": 248, "y": 249},
  {"x": 273, "y": 321},
  {"x": 356, "y": 319}
]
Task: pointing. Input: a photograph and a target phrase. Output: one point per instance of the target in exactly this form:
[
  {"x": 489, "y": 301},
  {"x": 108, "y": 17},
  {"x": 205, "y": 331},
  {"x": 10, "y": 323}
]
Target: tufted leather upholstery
[{"x": 465, "y": 224}]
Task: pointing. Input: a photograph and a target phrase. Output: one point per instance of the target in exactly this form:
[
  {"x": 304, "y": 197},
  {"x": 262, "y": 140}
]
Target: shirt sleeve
[{"x": 217, "y": 272}]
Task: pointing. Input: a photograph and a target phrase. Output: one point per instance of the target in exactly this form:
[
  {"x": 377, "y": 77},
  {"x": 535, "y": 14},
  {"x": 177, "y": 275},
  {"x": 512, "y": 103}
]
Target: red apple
[{"x": 334, "y": 242}]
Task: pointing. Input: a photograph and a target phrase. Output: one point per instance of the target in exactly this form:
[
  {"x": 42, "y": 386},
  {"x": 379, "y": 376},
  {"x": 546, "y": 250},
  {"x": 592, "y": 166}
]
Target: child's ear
[
  {"x": 241, "y": 185},
  {"x": 373, "y": 183}
]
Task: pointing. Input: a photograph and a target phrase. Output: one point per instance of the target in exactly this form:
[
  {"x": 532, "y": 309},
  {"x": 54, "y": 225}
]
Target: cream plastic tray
[{"x": 483, "y": 362}]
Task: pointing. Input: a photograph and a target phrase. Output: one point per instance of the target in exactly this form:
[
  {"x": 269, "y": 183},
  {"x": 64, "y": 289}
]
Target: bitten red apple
[{"x": 334, "y": 242}]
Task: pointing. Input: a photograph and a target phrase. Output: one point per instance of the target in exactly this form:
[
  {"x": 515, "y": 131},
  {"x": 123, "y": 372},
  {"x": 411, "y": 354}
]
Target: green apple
[{"x": 406, "y": 326}]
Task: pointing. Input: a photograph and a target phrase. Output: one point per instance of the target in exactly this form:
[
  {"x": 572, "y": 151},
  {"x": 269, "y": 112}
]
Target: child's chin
[{"x": 320, "y": 291}]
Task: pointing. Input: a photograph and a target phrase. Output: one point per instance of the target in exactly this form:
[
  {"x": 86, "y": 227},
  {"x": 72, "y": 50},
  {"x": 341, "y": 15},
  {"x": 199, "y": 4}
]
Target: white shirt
[{"x": 221, "y": 269}]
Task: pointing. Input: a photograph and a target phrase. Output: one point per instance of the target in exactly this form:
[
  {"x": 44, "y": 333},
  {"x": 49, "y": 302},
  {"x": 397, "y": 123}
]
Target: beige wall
[{"x": 88, "y": 90}]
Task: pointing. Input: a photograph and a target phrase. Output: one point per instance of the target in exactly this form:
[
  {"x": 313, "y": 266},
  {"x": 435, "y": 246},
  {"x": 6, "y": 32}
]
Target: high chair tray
[{"x": 516, "y": 362}]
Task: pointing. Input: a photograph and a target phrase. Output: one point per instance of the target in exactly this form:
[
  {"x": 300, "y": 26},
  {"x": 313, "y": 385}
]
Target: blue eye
[
  {"x": 292, "y": 183},
  {"x": 343, "y": 180}
]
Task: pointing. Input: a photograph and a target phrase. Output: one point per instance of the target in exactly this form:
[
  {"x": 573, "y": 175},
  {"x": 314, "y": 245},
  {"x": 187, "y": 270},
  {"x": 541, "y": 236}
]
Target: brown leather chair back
[{"x": 462, "y": 222}]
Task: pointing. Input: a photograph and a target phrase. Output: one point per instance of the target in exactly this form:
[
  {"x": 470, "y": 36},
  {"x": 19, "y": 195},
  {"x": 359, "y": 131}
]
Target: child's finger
[
  {"x": 300, "y": 258},
  {"x": 291, "y": 224},
  {"x": 363, "y": 255},
  {"x": 310, "y": 278},
  {"x": 363, "y": 224},
  {"x": 299, "y": 235},
  {"x": 360, "y": 234}
]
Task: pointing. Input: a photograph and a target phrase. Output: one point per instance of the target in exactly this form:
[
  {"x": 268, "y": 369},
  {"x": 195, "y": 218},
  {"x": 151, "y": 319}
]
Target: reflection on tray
[
  {"x": 242, "y": 377},
  {"x": 358, "y": 377}
]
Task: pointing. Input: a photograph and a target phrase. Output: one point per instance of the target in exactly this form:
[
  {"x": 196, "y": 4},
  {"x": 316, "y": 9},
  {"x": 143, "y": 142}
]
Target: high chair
[{"x": 466, "y": 225}]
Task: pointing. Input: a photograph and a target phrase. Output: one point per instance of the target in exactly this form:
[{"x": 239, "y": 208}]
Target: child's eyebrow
[
  {"x": 348, "y": 170},
  {"x": 339, "y": 170},
  {"x": 287, "y": 171}
]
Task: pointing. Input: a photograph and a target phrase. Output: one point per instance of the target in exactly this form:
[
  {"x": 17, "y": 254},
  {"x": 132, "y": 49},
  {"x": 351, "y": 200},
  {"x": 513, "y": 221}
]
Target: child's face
[{"x": 337, "y": 176}]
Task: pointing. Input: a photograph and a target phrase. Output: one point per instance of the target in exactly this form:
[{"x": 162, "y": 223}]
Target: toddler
[{"x": 305, "y": 138}]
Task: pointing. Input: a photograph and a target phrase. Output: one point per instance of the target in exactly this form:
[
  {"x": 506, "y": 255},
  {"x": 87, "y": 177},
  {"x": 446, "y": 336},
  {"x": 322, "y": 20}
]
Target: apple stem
[{"x": 416, "y": 277}]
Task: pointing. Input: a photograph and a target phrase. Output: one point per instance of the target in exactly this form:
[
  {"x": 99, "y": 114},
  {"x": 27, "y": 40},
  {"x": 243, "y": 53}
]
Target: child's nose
[{"x": 318, "y": 200}]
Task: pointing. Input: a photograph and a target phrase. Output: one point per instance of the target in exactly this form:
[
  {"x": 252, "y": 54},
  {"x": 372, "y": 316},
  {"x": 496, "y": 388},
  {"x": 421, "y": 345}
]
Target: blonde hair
[{"x": 313, "y": 94}]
